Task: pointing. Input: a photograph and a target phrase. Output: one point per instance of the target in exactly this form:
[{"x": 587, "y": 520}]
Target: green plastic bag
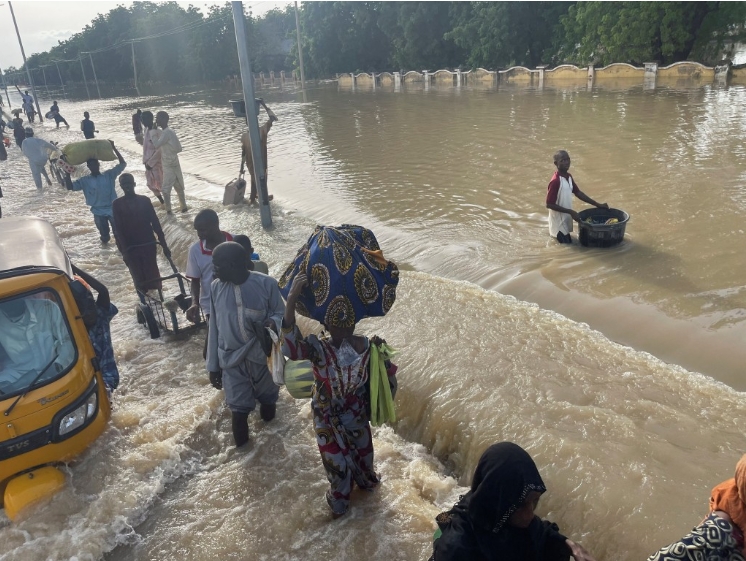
[{"x": 381, "y": 401}]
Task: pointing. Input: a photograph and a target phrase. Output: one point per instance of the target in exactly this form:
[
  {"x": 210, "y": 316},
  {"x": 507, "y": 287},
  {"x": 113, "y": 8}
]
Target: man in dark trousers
[{"x": 137, "y": 222}]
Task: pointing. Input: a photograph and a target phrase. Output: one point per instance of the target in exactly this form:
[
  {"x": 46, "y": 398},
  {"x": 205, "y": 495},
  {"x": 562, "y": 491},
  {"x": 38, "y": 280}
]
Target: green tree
[
  {"x": 636, "y": 32},
  {"x": 498, "y": 34},
  {"x": 417, "y": 32}
]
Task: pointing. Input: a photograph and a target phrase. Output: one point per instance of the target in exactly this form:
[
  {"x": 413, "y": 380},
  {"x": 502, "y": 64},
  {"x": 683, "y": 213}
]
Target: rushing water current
[{"x": 619, "y": 370}]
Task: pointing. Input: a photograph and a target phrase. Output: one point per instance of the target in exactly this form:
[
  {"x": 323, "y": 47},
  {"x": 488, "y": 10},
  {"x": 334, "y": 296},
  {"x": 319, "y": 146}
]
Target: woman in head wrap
[
  {"x": 720, "y": 535},
  {"x": 339, "y": 401},
  {"x": 496, "y": 520}
]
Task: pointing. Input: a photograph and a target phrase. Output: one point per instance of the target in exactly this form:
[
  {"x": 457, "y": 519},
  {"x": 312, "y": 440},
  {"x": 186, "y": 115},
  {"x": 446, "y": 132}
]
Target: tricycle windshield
[{"x": 35, "y": 342}]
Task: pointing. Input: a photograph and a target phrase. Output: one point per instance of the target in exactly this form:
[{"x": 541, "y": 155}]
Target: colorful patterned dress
[
  {"x": 712, "y": 540},
  {"x": 339, "y": 402}
]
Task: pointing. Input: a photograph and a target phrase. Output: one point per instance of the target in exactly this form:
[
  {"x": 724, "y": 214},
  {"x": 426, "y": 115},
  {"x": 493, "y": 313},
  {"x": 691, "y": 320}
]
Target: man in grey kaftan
[{"x": 239, "y": 298}]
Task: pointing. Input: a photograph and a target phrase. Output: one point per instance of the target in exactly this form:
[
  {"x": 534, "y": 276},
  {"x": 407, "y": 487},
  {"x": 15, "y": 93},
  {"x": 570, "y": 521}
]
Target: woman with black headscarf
[{"x": 495, "y": 520}]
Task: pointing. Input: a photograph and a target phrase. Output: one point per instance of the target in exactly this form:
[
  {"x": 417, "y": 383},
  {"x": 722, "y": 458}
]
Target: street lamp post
[
  {"x": 247, "y": 79},
  {"x": 28, "y": 72}
]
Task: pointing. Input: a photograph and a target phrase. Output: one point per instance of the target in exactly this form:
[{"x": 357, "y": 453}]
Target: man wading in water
[
  {"x": 246, "y": 156},
  {"x": 242, "y": 302},
  {"x": 100, "y": 193}
]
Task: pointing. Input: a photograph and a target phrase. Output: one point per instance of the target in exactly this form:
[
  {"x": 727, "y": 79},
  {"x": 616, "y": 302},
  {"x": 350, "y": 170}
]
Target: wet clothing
[
  {"x": 55, "y": 110},
  {"x": 136, "y": 124},
  {"x": 477, "y": 529},
  {"x": 246, "y": 147},
  {"x": 560, "y": 192},
  {"x": 339, "y": 402},
  {"x": 19, "y": 133},
  {"x": 199, "y": 267},
  {"x": 151, "y": 156},
  {"x": 37, "y": 151},
  {"x": 170, "y": 147},
  {"x": 88, "y": 128},
  {"x": 100, "y": 336},
  {"x": 232, "y": 345},
  {"x": 136, "y": 223},
  {"x": 100, "y": 193},
  {"x": 713, "y": 540}
]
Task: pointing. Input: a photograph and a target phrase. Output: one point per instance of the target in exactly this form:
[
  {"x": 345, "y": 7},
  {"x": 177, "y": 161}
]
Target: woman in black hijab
[{"x": 495, "y": 521}]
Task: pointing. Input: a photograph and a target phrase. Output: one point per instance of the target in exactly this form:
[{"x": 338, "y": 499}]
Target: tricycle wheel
[
  {"x": 140, "y": 315},
  {"x": 150, "y": 322}
]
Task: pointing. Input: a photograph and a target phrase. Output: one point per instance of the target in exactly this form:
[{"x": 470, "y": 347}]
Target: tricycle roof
[{"x": 28, "y": 244}]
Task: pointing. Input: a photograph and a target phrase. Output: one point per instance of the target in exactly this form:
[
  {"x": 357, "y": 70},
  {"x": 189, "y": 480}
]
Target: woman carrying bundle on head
[{"x": 346, "y": 285}]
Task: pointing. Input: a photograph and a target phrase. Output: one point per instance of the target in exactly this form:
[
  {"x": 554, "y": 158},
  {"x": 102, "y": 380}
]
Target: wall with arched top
[
  {"x": 444, "y": 76},
  {"x": 516, "y": 75},
  {"x": 620, "y": 70},
  {"x": 687, "y": 69},
  {"x": 566, "y": 73},
  {"x": 386, "y": 78}
]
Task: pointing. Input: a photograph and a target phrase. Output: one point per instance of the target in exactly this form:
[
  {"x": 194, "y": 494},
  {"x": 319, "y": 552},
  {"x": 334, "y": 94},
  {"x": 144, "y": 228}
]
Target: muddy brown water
[{"x": 620, "y": 370}]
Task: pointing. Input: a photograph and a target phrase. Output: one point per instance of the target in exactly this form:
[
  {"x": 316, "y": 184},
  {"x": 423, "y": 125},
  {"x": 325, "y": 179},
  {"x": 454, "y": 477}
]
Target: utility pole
[
  {"x": 62, "y": 84},
  {"x": 239, "y": 23},
  {"x": 44, "y": 74},
  {"x": 80, "y": 58},
  {"x": 300, "y": 50},
  {"x": 5, "y": 85},
  {"x": 90, "y": 56},
  {"x": 28, "y": 72},
  {"x": 134, "y": 66}
]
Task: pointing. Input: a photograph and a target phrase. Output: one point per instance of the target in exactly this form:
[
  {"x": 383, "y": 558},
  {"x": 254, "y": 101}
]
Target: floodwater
[{"x": 620, "y": 370}]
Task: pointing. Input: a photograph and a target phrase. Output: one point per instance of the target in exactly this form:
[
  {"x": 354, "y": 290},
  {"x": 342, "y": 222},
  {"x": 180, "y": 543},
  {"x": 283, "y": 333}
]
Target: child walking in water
[{"x": 559, "y": 199}]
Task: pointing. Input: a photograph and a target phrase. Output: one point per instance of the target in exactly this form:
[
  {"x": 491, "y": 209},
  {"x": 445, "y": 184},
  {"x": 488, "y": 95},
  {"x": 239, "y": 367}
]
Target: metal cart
[{"x": 164, "y": 310}]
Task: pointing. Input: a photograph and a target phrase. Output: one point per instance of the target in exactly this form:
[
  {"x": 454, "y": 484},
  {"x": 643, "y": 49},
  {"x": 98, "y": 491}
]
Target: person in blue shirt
[{"x": 100, "y": 192}]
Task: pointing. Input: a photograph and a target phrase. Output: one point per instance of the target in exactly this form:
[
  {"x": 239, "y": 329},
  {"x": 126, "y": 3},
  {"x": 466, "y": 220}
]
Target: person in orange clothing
[{"x": 720, "y": 534}]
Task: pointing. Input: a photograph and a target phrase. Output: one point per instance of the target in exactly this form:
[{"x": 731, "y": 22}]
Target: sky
[{"x": 42, "y": 24}]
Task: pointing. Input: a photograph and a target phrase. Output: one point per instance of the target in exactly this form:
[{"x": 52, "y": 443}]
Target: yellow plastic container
[{"x": 53, "y": 402}]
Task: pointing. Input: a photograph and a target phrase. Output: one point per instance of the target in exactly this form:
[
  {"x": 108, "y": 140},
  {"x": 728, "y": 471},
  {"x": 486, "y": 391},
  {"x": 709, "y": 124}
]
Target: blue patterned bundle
[{"x": 348, "y": 278}]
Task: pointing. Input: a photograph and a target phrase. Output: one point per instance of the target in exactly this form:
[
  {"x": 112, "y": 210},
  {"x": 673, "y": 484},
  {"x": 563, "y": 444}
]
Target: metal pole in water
[
  {"x": 84, "y": 80},
  {"x": 43, "y": 73},
  {"x": 90, "y": 56},
  {"x": 28, "y": 72},
  {"x": 300, "y": 50},
  {"x": 61, "y": 82},
  {"x": 134, "y": 66},
  {"x": 5, "y": 85},
  {"x": 239, "y": 23}
]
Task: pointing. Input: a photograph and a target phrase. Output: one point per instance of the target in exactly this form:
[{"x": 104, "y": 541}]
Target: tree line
[{"x": 375, "y": 36}]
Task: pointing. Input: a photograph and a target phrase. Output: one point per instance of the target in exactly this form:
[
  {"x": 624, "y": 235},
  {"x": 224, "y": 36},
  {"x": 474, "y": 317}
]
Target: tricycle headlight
[
  {"x": 74, "y": 419},
  {"x": 78, "y": 416}
]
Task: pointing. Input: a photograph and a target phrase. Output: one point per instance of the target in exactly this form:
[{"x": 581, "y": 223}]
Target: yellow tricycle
[{"x": 53, "y": 402}]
